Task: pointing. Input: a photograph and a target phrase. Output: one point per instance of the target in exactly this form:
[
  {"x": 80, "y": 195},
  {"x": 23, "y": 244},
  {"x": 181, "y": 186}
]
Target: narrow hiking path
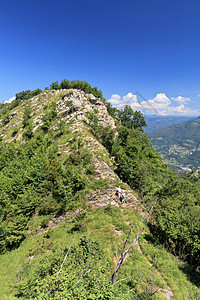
[
  {"x": 102, "y": 197},
  {"x": 167, "y": 292}
]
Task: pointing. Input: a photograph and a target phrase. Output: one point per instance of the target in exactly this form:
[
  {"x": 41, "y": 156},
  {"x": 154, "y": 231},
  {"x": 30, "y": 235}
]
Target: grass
[
  {"x": 97, "y": 184},
  {"x": 154, "y": 261},
  {"x": 170, "y": 268}
]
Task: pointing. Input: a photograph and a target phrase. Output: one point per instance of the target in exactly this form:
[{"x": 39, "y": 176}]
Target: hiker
[
  {"x": 122, "y": 197},
  {"x": 118, "y": 192}
]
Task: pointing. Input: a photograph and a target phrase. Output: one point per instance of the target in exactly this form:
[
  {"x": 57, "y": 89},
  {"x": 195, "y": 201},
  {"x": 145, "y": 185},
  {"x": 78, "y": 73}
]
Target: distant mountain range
[
  {"x": 179, "y": 145},
  {"x": 155, "y": 123}
]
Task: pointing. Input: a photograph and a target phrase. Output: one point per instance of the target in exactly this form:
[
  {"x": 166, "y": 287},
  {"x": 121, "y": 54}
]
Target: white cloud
[
  {"x": 115, "y": 99},
  {"x": 161, "y": 98},
  {"x": 122, "y": 101},
  {"x": 129, "y": 98},
  {"x": 181, "y": 110},
  {"x": 160, "y": 104},
  {"x": 155, "y": 105},
  {"x": 198, "y": 95},
  {"x": 136, "y": 106},
  {"x": 181, "y": 99},
  {"x": 10, "y": 100}
]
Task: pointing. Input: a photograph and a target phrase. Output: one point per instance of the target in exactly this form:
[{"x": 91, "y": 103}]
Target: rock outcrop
[
  {"x": 77, "y": 104},
  {"x": 71, "y": 105}
]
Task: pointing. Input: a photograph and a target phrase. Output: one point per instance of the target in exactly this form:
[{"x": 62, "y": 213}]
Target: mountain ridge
[
  {"x": 62, "y": 158},
  {"x": 156, "y": 123}
]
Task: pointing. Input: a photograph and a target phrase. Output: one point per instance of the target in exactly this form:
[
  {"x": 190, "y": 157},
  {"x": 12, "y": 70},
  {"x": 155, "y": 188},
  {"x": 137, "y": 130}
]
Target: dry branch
[
  {"x": 124, "y": 279},
  {"x": 65, "y": 257},
  {"x": 83, "y": 275},
  {"x": 125, "y": 252}
]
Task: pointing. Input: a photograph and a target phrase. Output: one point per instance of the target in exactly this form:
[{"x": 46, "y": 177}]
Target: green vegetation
[
  {"x": 131, "y": 119},
  {"x": 53, "y": 245},
  {"x": 76, "y": 84},
  {"x": 25, "y": 95},
  {"x": 34, "y": 266},
  {"x": 177, "y": 216},
  {"x": 6, "y": 118},
  {"x": 19, "y": 97},
  {"x": 28, "y": 94},
  {"x": 33, "y": 180},
  {"x": 178, "y": 199},
  {"x": 138, "y": 163},
  {"x": 27, "y": 115}
]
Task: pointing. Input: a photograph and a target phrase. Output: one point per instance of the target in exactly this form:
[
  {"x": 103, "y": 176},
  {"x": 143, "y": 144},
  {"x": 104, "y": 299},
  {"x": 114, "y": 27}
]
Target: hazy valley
[{"x": 179, "y": 145}]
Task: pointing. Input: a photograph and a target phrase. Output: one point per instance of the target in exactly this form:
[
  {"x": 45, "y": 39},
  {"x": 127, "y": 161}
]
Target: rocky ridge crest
[{"x": 71, "y": 104}]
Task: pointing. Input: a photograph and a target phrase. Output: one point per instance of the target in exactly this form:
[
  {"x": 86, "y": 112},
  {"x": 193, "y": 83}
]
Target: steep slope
[
  {"x": 76, "y": 110},
  {"x": 60, "y": 195}
]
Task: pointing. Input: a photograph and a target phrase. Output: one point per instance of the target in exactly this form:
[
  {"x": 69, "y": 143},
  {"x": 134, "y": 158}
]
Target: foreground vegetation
[
  {"x": 39, "y": 183},
  {"x": 34, "y": 266}
]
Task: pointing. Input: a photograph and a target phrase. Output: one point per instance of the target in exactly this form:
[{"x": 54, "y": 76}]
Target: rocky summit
[{"x": 71, "y": 105}]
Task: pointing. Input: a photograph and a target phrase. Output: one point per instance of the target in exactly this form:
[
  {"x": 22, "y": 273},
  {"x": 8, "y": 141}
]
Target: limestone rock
[{"x": 77, "y": 104}]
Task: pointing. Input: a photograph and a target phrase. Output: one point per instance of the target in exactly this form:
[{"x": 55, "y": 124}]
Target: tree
[
  {"x": 111, "y": 110},
  {"x": 65, "y": 84},
  {"x": 23, "y": 95},
  {"x": 55, "y": 86},
  {"x": 27, "y": 115},
  {"x": 36, "y": 92},
  {"x": 6, "y": 118},
  {"x": 28, "y": 133},
  {"x": 138, "y": 120},
  {"x": 177, "y": 218},
  {"x": 132, "y": 119}
]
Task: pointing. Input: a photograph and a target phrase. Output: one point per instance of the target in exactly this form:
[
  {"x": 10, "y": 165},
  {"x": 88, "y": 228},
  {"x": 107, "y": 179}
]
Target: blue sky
[{"x": 122, "y": 47}]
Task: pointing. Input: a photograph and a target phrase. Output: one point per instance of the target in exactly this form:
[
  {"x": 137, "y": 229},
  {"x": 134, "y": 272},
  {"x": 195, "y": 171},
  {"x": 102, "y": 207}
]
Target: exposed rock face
[
  {"x": 72, "y": 105},
  {"x": 103, "y": 197},
  {"x": 77, "y": 104}
]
